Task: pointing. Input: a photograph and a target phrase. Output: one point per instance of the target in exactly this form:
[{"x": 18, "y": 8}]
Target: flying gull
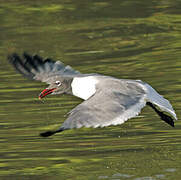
[{"x": 107, "y": 100}]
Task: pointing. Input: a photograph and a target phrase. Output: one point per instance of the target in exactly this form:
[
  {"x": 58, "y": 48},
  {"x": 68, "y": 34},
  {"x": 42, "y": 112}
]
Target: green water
[{"x": 127, "y": 39}]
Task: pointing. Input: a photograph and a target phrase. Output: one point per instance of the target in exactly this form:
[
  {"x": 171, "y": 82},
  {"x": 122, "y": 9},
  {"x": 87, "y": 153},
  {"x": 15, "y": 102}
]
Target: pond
[{"x": 126, "y": 39}]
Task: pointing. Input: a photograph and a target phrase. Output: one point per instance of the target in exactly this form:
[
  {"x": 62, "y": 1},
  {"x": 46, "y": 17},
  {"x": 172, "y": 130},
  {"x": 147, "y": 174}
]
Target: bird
[{"x": 107, "y": 100}]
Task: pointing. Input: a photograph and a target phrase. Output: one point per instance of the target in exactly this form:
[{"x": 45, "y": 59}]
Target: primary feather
[{"x": 35, "y": 68}]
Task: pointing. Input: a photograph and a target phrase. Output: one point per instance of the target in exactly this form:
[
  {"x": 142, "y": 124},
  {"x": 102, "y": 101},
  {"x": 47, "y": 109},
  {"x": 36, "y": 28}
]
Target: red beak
[{"x": 46, "y": 92}]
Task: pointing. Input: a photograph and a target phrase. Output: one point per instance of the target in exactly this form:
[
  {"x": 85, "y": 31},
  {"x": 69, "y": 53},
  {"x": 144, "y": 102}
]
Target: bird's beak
[{"x": 45, "y": 92}]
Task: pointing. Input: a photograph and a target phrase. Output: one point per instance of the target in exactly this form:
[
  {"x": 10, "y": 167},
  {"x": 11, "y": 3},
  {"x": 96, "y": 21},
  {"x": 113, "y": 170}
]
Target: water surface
[{"x": 126, "y": 39}]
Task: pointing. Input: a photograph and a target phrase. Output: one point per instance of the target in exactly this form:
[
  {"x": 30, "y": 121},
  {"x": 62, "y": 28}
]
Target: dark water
[{"x": 126, "y": 39}]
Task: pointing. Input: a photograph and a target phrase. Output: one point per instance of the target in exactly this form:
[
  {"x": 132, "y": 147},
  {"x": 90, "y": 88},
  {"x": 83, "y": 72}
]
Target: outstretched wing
[
  {"x": 35, "y": 68},
  {"x": 115, "y": 105},
  {"x": 104, "y": 109}
]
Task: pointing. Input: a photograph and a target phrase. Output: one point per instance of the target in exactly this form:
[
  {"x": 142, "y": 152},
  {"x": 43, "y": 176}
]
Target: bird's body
[{"x": 108, "y": 100}]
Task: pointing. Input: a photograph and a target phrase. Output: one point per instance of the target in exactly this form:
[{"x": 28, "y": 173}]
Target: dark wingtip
[
  {"x": 20, "y": 65},
  {"x": 167, "y": 119},
  {"x": 163, "y": 116},
  {"x": 12, "y": 57},
  {"x": 50, "y": 133},
  {"x": 47, "y": 133},
  {"x": 27, "y": 56}
]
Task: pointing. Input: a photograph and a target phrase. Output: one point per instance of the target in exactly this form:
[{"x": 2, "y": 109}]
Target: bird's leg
[
  {"x": 163, "y": 116},
  {"x": 50, "y": 133}
]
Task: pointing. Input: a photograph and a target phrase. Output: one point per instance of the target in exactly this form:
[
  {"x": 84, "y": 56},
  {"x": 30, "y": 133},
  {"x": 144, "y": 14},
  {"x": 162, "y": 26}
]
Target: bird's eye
[{"x": 58, "y": 83}]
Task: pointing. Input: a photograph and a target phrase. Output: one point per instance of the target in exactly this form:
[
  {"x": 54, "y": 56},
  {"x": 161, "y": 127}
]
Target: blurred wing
[
  {"x": 34, "y": 67},
  {"x": 104, "y": 109}
]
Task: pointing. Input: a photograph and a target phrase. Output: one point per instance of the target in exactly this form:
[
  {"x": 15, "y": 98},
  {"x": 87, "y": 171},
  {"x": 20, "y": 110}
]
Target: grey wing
[
  {"x": 35, "y": 68},
  {"x": 104, "y": 109}
]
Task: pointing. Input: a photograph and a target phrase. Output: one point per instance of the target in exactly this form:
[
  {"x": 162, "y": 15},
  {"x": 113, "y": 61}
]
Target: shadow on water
[{"x": 127, "y": 39}]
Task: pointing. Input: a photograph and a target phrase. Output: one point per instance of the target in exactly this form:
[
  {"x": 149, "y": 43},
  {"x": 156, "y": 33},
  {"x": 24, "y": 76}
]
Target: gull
[{"x": 107, "y": 100}]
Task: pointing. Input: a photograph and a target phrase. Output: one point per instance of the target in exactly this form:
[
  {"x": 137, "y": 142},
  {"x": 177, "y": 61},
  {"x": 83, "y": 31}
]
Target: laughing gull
[{"x": 108, "y": 100}]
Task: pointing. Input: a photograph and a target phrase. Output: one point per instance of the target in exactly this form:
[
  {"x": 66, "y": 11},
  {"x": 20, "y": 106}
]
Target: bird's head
[{"x": 58, "y": 85}]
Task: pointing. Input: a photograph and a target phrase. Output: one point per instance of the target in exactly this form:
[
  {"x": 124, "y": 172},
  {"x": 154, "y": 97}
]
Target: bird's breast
[{"x": 84, "y": 87}]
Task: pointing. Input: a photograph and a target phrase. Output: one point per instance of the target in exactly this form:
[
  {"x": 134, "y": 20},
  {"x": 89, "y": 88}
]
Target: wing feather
[
  {"x": 113, "y": 106},
  {"x": 154, "y": 97},
  {"x": 35, "y": 68},
  {"x": 104, "y": 109}
]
